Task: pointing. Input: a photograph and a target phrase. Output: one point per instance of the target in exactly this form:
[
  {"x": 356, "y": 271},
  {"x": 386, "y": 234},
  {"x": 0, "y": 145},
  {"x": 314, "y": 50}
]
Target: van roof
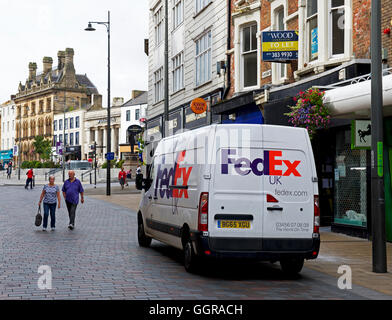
[{"x": 235, "y": 126}]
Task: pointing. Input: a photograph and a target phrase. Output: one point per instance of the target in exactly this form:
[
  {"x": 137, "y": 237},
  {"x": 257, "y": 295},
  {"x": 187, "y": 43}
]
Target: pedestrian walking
[
  {"x": 129, "y": 175},
  {"x": 29, "y": 180},
  {"x": 138, "y": 170},
  {"x": 9, "y": 170},
  {"x": 71, "y": 190},
  {"x": 51, "y": 197},
  {"x": 122, "y": 175}
]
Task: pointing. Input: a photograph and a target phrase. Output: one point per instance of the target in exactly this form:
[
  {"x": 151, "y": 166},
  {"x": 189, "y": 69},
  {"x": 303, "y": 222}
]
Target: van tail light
[
  {"x": 316, "y": 215},
  {"x": 271, "y": 198},
  {"x": 203, "y": 212}
]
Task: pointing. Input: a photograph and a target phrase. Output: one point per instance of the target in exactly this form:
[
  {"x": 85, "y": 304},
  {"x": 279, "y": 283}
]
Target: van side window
[{"x": 150, "y": 176}]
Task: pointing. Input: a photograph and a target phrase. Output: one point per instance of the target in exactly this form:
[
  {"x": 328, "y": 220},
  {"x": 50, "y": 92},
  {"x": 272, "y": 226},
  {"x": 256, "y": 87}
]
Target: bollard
[{"x": 91, "y": 179}]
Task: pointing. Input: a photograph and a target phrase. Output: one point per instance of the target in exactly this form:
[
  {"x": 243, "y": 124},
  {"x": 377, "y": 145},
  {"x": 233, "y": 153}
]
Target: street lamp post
[
  {"x": 377, "y": 169},
  {"x": 108, "y": 143},
  {"x": 20, "y": 139}
]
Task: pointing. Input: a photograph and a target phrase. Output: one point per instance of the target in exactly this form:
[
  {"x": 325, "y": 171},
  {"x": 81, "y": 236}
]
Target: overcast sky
[{"x": 32, "y": 29}]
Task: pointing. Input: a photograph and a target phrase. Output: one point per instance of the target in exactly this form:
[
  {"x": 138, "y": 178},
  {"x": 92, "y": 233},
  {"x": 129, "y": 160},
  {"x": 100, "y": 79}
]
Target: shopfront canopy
[{"x": 352, "y": 100}]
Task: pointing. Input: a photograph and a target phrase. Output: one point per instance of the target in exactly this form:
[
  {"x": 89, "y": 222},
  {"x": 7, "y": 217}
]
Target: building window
[
  {"x": 249, "y": 55},
  {"x": 55, "y": 125},
  {"x": 158, "y": 84},
  {"x": 201, "y": 4},
  {"x": 66, "y": 139},
  {"x": 203, "y": 59},
  {"x": 71, "y": 123},
  {"x": 55, "y": 140},
  {"x": 77, "y": 138},
  {"x": 61, "y": 138},
  {"x": 128, "y": 115},
  {"x": 336, "y": 22},
  {"x": 77, "y": 119},
  {"x": 137, "y": 114},
  {"x": 178, "y": 13},
  {"x": 71, "y": 136},
  {"x": 178, "y": 72},
  {"x": 66, "y": 124},
  {"x": 61, "y": 124},
  {"x": 312, "y": 29},
  {"x": 158, "y": 21}
]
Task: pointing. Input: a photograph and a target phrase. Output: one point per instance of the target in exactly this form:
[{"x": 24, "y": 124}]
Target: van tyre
[
  {"x": 292, "y": 266},
  {"x": 143, "y": 240},
  {"x": 191, "y": 261}
]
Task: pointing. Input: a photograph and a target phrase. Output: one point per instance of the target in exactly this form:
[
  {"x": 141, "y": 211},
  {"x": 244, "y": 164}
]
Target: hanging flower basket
[{"x": 309, "y": 111}]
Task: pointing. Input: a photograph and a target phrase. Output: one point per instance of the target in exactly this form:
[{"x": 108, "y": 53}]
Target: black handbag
[{"x": 38, "y": 217}]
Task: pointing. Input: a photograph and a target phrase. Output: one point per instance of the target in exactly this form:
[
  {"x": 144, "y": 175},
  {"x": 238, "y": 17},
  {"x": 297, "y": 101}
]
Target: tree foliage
[{"x": 42, "y": 147}]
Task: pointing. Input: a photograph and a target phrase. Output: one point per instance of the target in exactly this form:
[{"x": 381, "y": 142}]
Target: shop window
[
  {"x": 350, "y": 183},
  {"x": 249, "y": 56}
]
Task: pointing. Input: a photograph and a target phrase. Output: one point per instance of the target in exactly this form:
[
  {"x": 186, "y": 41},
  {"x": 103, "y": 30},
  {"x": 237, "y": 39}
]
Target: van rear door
[
  {"x": 289, "y": 206},
  {"x": 236, "y": 193}
]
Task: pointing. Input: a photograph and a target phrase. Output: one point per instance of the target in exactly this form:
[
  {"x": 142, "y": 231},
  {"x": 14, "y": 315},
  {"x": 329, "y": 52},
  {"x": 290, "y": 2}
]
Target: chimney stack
[
  {"x": 136, "y": 93},
  {"x": 47, "y": 63},
  {"x": 69, "y": 66},
  {"x": 32, "y": 70},
  {"x": 61, "y": 60},
  {"x": 97, "y": 100},
  {"x": 117, "y": 101}
]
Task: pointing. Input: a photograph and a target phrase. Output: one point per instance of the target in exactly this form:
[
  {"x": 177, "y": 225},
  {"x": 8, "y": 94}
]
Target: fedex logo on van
[
  {"x": 270, "y": 165},
  {"x": 168, "y": 179}
]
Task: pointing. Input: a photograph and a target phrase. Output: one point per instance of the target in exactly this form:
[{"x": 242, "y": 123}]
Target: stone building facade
[
  {"x": 45, "y": 94},
  {"x": 95, "y": 126}
]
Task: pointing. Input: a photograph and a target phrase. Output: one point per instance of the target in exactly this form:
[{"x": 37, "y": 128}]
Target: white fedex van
[{"x": 240, "y": 191}]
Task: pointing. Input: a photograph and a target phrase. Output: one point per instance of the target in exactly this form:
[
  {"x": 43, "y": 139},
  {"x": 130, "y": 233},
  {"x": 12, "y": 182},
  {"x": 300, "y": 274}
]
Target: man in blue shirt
[{"x": 71, "y": 189}]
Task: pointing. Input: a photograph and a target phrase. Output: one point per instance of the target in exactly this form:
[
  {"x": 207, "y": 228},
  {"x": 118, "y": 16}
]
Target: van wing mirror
[{"x": 139, "y": 181}]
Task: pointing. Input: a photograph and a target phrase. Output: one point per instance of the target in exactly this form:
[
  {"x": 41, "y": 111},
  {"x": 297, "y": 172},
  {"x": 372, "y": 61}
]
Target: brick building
[{"x": 333, "y": 55}]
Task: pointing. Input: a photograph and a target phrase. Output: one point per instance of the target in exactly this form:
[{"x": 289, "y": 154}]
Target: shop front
[{"x": 5, "y": 157}]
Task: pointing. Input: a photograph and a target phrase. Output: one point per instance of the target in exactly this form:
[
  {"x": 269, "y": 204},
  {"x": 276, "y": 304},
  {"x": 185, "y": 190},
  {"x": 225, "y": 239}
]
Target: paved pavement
[{"x": 100, "y": 259}]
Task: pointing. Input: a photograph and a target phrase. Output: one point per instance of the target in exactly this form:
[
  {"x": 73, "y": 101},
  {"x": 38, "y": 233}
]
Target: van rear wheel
[
  {"x": 191, "y": 261},
  {"x": 143, "y": 240},
  {"x": 292, "y": 266}
]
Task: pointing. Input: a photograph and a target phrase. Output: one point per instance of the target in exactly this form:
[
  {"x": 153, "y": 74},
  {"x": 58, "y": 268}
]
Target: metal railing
[
  {"x": 365, "y": 77},
  {"x": 86, "y": 173},
  {"x": 52, "y": 172}
]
